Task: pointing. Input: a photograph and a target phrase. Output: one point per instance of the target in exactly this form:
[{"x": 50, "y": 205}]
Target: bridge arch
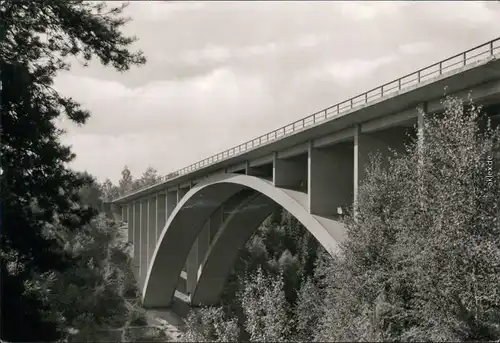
[{"x": 186, "y": 222}]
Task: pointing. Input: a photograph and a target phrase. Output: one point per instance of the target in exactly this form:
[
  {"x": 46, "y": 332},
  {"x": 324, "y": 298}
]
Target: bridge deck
[{"x": 470, "y": 68}]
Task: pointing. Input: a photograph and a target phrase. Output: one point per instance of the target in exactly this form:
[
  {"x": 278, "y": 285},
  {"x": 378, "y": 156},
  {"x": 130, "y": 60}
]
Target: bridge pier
[
  {"x": 143, "y": 241},
  {"x": 151, "y": 230},
  {"x": 192, "y": 268},
  {"x": 137, "y": 239},
  {"x": 130, "y": 222},
  {"x": 124, "y": 213},
  {"x": 216, "y": 222},
  {"x": 203, "y": 246},
  {"x": 383, "y": 141},
  {"x": 161, "y": 215},
  {"x": 330, "y": 179}
]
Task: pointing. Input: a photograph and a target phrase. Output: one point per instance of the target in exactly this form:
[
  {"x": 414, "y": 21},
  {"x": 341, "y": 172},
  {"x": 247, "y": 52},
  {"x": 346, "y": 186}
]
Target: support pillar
[
  {"x": 151, "y": 229},
  {"x": 330, "y": 179},
  {"x": 422, "y": 110},
  {"x": 124, "y": 213},
  {"x": 137, "y": 239},
  {"x": 192, "y": 268},
  {"x": 161, "y": 214},
  {"x": 203, "y": 245},
  {"x": 364, "y": 145},
  {"x": 367, "y": 144},
  {"x": 116, "y": 213},
  {"x": 130, "y": 222},
  {"x": 144, "y": 241},
  {"x": 216, "y": 223},
  {"x": 170, "y": 203},
  {"x": 180, "y": 193}
]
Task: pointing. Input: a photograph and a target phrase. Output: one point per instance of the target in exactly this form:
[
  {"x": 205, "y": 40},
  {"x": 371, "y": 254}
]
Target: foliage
[
  {"x": 422, "y": 260},
  {"x": 109, "y": 191},
  {"x": 308, "y": 310},
  {"x": 148, "y": 178},
  {"x": 265, "y": 308},
  {"x": 90, "y": 194},
  {"x": 126, "y": 183},
  {"x": 89, "y": 298},
  {"x": 210, "y": 325},
  {"x": 39, "y": 194}
]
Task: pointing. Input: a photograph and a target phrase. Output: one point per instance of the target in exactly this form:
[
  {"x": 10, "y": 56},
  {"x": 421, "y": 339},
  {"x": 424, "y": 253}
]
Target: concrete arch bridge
[{"x": 188, "y": 228}]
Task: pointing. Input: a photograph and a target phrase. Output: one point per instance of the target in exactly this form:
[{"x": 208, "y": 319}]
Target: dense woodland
[{"x": 421, "y": 261}]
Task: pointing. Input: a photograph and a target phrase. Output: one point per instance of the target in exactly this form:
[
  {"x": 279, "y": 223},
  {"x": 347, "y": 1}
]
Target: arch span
[
  {"x": 234, "y": 233},
  {"x": 187, "y": 219}
]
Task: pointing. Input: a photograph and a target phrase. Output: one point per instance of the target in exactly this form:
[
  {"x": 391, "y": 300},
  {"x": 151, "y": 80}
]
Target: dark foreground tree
[{"x": 39, "y": 193}]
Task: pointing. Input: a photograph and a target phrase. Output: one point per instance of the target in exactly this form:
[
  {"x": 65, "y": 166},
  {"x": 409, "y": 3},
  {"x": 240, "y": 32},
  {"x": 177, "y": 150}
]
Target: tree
[
  {"x": 421, "y": 262},
  {"x": 126, "y": 182},
  {"x": 90, "y": 296},
  {"x": 308, "y": 310},
  {"x": 91, "y": 193},
  {"x": 210, "y": 324},
  {"x": 265, "y": 308},
  {"x": 39, "y": 193},
  {"x": 148, "y": 178},
  {"x": 109, "y": 190}
]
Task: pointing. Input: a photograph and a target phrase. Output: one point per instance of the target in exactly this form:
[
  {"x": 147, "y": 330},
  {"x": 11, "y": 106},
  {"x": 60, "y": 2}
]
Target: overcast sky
[{"x": 221, "y": 73}]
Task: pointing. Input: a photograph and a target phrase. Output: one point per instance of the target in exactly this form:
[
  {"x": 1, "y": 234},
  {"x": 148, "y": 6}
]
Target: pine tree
[{"x": 39, "y": 193}]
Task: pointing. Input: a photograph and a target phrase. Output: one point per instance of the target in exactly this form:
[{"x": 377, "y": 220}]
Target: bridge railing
[{"x": 448, "y": 65}]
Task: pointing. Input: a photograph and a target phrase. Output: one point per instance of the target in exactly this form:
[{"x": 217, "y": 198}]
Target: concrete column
[
  {"x": 422, "y": 110},
  {"x": 116, "y": 213},
  {"x": 130, "y": 222},
  {"x": 288, "y": 173},
  {"x": 137, "y": 239},
  {"x": 161, "y": 214},
  {"x": 170, "y": 203},
  {"x": 216, "y": 222},
  {"x": 192, "y": 260},
  {"x": 203, "y": 245},
  {"x": 180, "y": 193},
  {"x": 124, "y": 213},
  {"x": 366, "y": 144},
  {"x": 151, "y": 229},
  {"x": 363, "y": 146},
  {"x": 144, "y": 241},
  {"x": 192, "y": 268},
  {"x": 330, "y": 179}
]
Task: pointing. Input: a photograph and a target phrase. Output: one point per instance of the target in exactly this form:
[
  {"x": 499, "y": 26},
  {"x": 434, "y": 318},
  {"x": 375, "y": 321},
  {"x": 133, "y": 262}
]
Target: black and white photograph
[{"x": 249, "y": 171}]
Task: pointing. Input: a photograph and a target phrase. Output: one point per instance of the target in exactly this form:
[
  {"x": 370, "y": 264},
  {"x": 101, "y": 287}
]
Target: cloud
[
  {"x": 350, "y": 71},
  {"x": 161, "y": 10},
  {"x": 220, "y": 73},
  {"x": 358, "y": 10},
  {"x": 415, "y": 47}
]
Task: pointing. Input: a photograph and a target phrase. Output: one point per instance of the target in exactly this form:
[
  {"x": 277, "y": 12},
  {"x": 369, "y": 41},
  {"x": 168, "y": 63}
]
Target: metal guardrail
[{"x": 478, "y": 53}]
